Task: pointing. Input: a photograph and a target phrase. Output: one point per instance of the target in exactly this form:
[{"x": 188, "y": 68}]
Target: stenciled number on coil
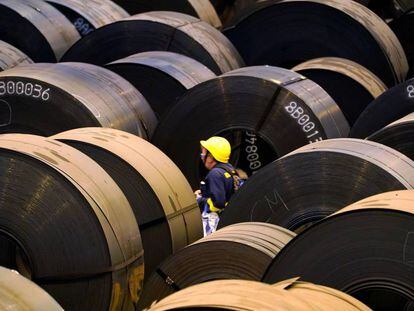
[
  {"x": 27, "y": 89},
  {"x": 410, "y": 91},
  {"x": 304, "y": 121},
  {"x": 252, "y": 151},
  {"x": 83, "y": 26}
]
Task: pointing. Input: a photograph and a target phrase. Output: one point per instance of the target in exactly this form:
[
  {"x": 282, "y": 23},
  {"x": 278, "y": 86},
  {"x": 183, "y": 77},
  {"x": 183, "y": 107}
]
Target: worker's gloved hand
[{"x": 197, "y": 194}]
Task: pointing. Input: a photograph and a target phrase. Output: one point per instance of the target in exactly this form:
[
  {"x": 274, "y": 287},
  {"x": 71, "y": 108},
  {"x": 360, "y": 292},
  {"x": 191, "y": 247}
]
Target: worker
[{"x": 219, "y": 185}]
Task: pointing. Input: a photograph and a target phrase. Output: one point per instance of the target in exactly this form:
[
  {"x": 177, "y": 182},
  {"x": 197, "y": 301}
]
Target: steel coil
[
  {"x": 365, "y": 250},
  {"x": 89, "y": 15},
  {"x": 355, "y": 33},
  {"x": 11, "y": 57},
  {"x": 199, "y": 8},
  {"x": 36, "y": 28},
  {"x": 254, "y": 296},
  {"x": 398, "y": 135},
  {"x": 392, "y": 105},
  {"x": 247, "y": 248},
  {"x": 67, "y": 225},
  {"x": 351, "y": 85},
  {"x": 264, "y": 111},
  {"x": 162, "y": 77},
  {"x": 160, "y": 196},
  {"x": 157, "y": 31},
  {"x": 316, "y": 180},
  {"x": 403, "y": 27},
  {"x": 18, "y": 293},
  {"x": 47, "y": 99}
]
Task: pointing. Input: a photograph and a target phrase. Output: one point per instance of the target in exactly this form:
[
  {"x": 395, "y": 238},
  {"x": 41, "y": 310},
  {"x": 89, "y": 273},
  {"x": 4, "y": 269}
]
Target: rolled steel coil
[
  {"x": 162, "y": 77},
  {"x": 242, "y": 251},
  {"x": 392, "y": 105},
  {"x": 398, "y": 135},
  {"x": 316, "y": 180},
  {"x": 158, "y": 31},
  {"x": 50, "y": 98},
  {"x": 160, "y": 196},
  {"x": 202, "y": 9},
  {"x": 18, "y": 293},
  {"x": 11, "y": 57},
  {"x": 351, "y": 85},
  {"x": 264, "y": 111},
  {"x": 299, "y": 31},
  {"x": 37, "y": 29},
  {"x": 67, "y": 225},
  {"x": 403, "y": 27},
  {"x": 365, "y": 250},
  {"x": 255, "y": 296},
  {"x": 89, "y": 15}
]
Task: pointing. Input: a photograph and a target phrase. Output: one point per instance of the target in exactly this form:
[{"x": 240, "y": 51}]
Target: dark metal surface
[
  {"x": 50, "y": 98},
  {"x": 403, "y": 27},
  {"x": 242, "y": 251},
  {"x": 11, "y": 57},
  {"x": 365, "y": 250},
  {"x": 265, "y": 112},
  {"x": 162, "y": 77},
  {"x": 351, "y": 85},
  {"x": 158, "y": 31},
  {"x": 36, "y": 28},
  {"x": 160, "y": 196},
  {"x": 72, "y": 221},
  {"x": 273, "y": 34},
  {"x": 89, "y": 15},
  {"x": 392, "y": 105},
  {"x": 198, "y": 8},
  {"x": 18, "y": 293},
  {"x": 316, "y": 180},
  {"x": 398, "y": 135}
]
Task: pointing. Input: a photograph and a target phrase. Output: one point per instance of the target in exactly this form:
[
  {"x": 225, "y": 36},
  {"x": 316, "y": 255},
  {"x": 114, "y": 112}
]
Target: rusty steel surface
[{"x": 74, "y": 262}]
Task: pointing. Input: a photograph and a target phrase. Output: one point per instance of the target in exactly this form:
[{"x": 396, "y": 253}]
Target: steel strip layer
[
  {"x": 11, "y": 57},
  {"x": 71, "y": 208}
]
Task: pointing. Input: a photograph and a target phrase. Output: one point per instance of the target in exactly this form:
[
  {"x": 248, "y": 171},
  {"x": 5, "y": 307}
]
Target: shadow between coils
[
  {"x": 365, "y": 250},
  {"x": 37, "y": 29},
  {"x": 355, "y": 33},
  {"x": 160, "y": 197},
  {"x": 392, "y": 105},
  {"x": 316, "y": 180},
  {"x": 87, "y": 16},
  {"x": 241, "y": 251},
  {"x": 157, "y": 31},
  {"x": 264, "y": 111},
  {"x": 161, "y": 77}
]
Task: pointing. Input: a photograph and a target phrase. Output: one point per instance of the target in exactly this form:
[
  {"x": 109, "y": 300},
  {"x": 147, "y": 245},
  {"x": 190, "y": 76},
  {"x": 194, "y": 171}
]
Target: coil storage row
[{"x": 103, "y": 105}]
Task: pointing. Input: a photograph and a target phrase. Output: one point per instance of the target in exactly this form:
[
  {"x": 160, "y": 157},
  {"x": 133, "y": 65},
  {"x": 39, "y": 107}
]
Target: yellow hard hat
[{"x": 219, "y": 148}]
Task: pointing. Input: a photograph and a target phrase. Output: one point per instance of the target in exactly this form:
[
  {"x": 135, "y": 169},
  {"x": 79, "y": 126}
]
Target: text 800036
[{"x": 26, "y": 89}]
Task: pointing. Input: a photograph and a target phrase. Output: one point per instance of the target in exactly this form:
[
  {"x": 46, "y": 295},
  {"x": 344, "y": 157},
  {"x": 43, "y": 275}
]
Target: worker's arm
[{"x": 216, "y": 190}]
